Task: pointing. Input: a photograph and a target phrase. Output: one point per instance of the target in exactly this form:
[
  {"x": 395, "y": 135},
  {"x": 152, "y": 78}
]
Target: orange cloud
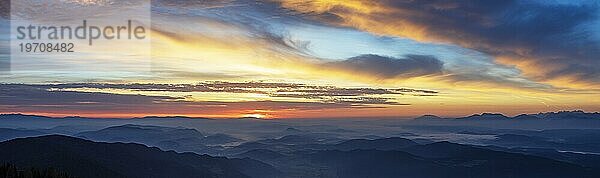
[{"x": 539, "y": 44}]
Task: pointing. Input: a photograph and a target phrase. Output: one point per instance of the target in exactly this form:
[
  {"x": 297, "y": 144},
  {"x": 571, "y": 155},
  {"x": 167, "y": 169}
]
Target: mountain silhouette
[
  {"x": 397, "y": 157},
  {"x": 84, "y": 158},
  {"x": 426, "y": 117},
  {"x": 140, "y": 133},
  {"x": 7, "y": 134},
  {"x": 577, "y": 114},
  {"x": 393, "y": 143},
  {"x": 167, "y": 138},
  {"x": 487, "y": 116}
]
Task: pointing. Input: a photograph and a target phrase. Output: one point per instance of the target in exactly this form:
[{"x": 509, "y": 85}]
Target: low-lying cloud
[
  {"x": 79, "y": 99},
  {"x": 390, "y": 67}
]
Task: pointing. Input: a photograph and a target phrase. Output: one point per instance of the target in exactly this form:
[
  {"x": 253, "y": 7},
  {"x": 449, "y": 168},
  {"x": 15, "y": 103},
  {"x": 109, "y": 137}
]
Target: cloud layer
[
  {"x": 390, "y": 67},
  {"x": 147, "y": 99},
  {"x": 547, "y": 42}
]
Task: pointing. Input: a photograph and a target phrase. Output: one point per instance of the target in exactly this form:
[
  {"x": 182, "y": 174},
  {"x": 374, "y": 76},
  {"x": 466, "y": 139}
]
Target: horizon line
[{"x": 273, "y": 118}]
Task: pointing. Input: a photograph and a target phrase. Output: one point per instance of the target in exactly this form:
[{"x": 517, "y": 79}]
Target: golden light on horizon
[
  {"x": 255, "y": 115},
  {"x": 371, "y": 53}
]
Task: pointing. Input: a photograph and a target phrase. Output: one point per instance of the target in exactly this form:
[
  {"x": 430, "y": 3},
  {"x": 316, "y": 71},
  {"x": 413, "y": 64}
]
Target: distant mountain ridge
[
  {"x": 496, "y": 116},
  {"x": 399, "y": 157},
  {"x": 392, "y": 143},
  {"x": 167, "y": 138},
  {"x": 576, "y": 114},
  {"x": 7, "y": 134},
  {"x": 18, "y": 115}
]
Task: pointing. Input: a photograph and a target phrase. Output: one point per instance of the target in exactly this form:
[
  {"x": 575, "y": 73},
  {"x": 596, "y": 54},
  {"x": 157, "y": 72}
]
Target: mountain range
[
  {"x": 83, "y": 158},
  {"x": 576, "y": 114},
  {"x": 397, "y": 157},
  {"x": 559, "y": 144}
]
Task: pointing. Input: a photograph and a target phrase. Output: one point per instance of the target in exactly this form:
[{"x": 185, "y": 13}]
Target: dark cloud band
[
  {"x": 390, "y": 67},
  {"x": 546, "y": 41}
]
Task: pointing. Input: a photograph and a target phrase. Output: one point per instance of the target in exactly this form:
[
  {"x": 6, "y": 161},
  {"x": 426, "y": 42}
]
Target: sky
[{"x": 324, "y": 58}]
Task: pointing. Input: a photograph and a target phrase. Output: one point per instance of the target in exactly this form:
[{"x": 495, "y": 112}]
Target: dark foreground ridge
[
  {"x": 82, "y": 158},
  {"x": 396, "y": 157},
  {"x": 388, "y": 157}
]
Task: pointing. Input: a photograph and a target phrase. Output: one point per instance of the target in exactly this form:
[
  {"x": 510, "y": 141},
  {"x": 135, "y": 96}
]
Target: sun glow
[{"x": 255, "y": 115}]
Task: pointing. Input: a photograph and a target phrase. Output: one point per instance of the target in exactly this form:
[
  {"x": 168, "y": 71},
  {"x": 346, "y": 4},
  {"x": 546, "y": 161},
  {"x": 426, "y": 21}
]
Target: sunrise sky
[{"x": 330, "y": 58}]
